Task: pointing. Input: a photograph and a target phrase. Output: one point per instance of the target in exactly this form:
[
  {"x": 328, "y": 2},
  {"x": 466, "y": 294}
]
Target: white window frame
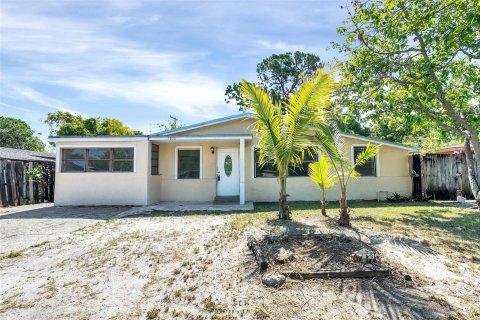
[
  {"x": 188, "y": 148},
  {"x": 60, "y": 148},
  {"x": 377, "y": 159},
  {"x": 252, "y": 164}
]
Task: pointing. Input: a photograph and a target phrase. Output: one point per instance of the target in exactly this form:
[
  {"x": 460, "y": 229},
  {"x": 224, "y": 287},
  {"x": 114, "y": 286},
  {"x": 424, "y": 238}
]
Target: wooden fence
[
  {"x": 442, "y": 176},
  {"x": 15, "y": 187}
]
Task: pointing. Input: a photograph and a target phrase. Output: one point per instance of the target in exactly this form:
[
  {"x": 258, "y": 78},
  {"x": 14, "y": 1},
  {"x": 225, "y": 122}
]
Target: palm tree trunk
[
  {"x": 344, "y": 211},
  {"x": 283, "y": 210},
  {"x": 324, "y": 204},
  {"x": 471, "y": 174}
]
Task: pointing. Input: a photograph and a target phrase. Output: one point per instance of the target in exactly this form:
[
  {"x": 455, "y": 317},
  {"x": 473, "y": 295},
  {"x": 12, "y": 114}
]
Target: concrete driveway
[{"x": 24, "y": 226}]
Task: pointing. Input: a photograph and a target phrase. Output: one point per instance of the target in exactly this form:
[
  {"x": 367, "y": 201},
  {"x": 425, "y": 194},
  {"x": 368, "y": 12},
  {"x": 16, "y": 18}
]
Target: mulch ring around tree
[{"x": 310, "y": 256}]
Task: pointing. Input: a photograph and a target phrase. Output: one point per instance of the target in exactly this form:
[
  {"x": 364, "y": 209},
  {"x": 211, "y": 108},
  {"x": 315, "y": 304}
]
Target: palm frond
[
  {"x": 369, "y": 152},
  {"x": 268, "y": 126},
  {"x": 321, "y": 172}
]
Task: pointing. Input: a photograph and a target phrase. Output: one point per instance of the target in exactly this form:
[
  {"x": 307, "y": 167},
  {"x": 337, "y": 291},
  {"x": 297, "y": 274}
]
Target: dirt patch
[
  {"x": 197, "y": 266},
  {"x": 312, "y": 253}
]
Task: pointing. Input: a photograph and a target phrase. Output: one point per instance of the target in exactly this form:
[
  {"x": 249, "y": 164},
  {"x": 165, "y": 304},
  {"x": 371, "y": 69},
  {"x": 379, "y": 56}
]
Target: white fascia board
[
  {"x": 186, "y": 138},
  {"x": 385, "y": 143},
  {"x": 95, "y": 139}
]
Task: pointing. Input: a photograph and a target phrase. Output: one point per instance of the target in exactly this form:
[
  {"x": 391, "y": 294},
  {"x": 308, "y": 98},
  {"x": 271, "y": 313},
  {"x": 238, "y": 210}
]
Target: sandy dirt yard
[{"x": 197, "y": 266}]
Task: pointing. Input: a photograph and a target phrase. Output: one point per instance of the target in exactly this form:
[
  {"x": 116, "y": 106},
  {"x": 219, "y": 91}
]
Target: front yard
[{"x": 198, "y": 266}]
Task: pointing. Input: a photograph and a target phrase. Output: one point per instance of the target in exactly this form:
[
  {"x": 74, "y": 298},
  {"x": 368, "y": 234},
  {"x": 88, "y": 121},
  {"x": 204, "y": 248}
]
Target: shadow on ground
[
  {"x": 393, "y": 297},
  {"x": 51, "y": 212},
  {"x": 464, "y": 225}
]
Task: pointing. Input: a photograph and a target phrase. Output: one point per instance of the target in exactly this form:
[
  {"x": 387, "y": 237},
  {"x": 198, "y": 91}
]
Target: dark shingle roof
[{"x": 26, "y": 155}]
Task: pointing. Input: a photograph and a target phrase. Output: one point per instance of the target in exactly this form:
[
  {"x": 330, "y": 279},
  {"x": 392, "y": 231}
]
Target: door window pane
[
  {"x": 227, "y": 165},
  {"x": 188, "y": 166}
]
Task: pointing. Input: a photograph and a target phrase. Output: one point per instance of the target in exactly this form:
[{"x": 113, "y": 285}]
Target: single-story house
[{"x": 202, "y": 162}]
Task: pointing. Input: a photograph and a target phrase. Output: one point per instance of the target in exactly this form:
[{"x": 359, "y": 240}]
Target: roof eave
[
  {"x": 57, "y": 139},
  {"x": 379, "y": 141}
]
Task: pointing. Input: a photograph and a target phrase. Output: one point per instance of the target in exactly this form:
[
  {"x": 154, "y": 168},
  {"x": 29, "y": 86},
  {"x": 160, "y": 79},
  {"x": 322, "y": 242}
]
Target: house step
[{"x": 227, "y": 199}]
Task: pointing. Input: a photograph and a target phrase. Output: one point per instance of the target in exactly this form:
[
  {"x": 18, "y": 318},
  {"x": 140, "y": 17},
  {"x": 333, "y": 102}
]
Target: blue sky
[{"x": 140, "y": 61}]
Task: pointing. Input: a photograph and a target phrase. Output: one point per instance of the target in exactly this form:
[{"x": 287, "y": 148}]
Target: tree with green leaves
[
  {"x": 16, "y": 133},
  {"x": 172, "y": 123},
  {"x": 417, "y": 60},
  {"x": 280, "y": 74},
  {"x": 322, "y": 174},
  {"x": 67, "y": 124},
  {"x": 284, "y": 137}
]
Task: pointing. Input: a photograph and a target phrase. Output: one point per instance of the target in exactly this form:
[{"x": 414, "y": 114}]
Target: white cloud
[
  {"x": 42, "y": 99},
  {"x": 280, "y": 45},
  {"x": 86, "y": 56}
]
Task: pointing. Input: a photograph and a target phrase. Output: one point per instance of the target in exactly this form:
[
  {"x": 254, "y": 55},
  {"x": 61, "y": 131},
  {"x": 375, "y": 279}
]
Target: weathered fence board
[
  {"x": 443, "y": 174},
  {"x": 15, "y": 187}
]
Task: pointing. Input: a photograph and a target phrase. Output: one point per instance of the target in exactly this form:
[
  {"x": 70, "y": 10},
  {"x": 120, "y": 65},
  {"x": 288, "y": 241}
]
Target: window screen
[
  {"x": 270, "y": 170},
  {"x": 188, "y": 166},
  {"x": 98, "y": 160},
  {"x": 367, "y": 169}
]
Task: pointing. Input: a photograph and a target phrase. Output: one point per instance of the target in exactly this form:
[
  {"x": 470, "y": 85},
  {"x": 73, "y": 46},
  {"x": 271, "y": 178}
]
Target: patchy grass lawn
[{"x": 197, "y": 266}]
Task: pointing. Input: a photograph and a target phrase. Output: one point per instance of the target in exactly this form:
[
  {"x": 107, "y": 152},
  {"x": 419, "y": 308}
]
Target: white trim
[
  {"x": 377, "y": 159},
  {"x": 95, "y": 139},
  {"x": 187, "y": 138},
  {"x": 385, "y": 143},
  {"x": 242, "y": 171},
  {"x": 59, "y": 154},
  {"x": 188, "y": 148}
]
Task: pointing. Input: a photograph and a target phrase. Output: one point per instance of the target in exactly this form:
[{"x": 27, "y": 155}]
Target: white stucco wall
[
  {"x": 141, "y": 188},
  {"x": 104, "y": 188}
]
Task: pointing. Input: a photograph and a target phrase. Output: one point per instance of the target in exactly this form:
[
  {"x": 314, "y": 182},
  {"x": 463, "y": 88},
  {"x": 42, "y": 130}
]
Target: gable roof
[
  {"x": 26, "y": 155},
  {"x": 204, "y": 124},
  {"x": 163, "y": 134},
  {"x": 249, "y": 115}
]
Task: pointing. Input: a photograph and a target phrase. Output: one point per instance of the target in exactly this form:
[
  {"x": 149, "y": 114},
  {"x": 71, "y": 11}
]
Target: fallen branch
[
  {"x": 257, "y": 252},
  {"x": 338, "y": 274}
]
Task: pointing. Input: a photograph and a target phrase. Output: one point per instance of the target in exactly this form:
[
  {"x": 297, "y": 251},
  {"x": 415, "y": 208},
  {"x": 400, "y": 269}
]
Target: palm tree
[
  {"x": 332, "y": 145},
  {"x": 321, "y": 172},
  {"x": 285, "y": 137}
]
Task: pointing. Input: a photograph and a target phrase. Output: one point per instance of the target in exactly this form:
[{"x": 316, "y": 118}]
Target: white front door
[{"x": 228, "y": 173}]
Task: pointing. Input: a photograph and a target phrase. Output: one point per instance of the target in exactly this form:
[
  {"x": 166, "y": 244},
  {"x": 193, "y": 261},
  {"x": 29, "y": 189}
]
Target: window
[
  {"x": 188, "y": 163},
  {"x": 368, "y": 169},
  {"x": 98, "y": 160},
  {"x": 270, "y": 170},
  {"x": 74, "y": 160},
  {"x": 154, "y": 160}
]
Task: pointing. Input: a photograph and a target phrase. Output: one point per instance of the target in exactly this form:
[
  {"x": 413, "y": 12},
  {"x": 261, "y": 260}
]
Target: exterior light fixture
[{"x": 212, "y": 149}]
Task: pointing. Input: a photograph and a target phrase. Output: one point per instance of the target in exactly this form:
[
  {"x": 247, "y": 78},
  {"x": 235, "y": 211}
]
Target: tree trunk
[
  {"x": 283, "y": 210},
  {"x": 476, "y": 146},
  {"x": 474, "y": 186},
  {"x": 324, "y": 204},
  {"x": 344, "y": 211}
]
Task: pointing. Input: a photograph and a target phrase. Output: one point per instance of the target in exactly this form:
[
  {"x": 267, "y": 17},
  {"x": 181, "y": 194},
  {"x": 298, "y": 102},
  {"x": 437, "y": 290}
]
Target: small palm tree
[
  {"x": 321, "y": 172},
  {"x": 285, "y": 137},
  {"x": 332, "y": 145}
]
